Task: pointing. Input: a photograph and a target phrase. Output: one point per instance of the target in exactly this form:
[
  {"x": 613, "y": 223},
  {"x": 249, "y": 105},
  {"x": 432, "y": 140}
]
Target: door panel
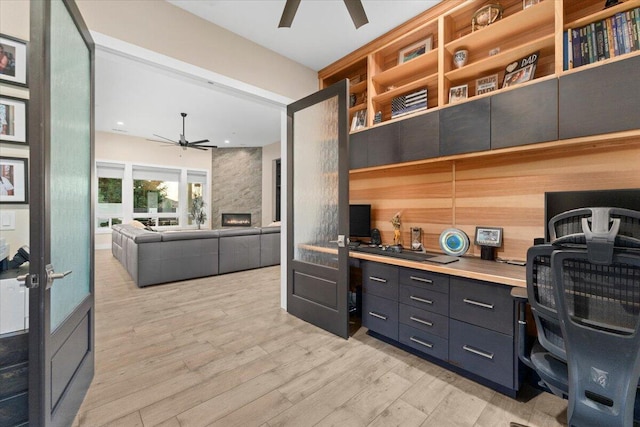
[
  {"x": 61, "y": 359},
  {"x": 318, "y": 209}
]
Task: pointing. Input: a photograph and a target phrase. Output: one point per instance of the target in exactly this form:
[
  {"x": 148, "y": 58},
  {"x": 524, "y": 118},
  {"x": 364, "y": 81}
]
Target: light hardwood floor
[{"x": 219, "y": 351}]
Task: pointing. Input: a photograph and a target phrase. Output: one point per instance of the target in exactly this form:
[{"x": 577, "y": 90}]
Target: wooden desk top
[{"x": 468, "y": 267}]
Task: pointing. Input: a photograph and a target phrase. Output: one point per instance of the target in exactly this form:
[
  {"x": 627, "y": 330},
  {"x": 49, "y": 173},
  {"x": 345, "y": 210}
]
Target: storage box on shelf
[
  {"x": 593, "y": 34},
  {"x": 518, "y": 34}
]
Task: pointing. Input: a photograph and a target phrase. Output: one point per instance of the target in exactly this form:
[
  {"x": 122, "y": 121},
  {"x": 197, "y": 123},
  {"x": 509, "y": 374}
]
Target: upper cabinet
[{"x": 416, "y": 67}]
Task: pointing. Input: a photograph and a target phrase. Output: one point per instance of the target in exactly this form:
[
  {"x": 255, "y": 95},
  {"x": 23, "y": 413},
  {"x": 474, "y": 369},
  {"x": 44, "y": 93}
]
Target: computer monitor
[
  {"x": 562, "y": 201},
  {"x": 359, "y": 221}
]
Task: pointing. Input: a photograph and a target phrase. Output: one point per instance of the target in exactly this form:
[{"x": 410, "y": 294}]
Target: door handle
[
  {"x": 29, "y": 281},
  {"x": 341, "y": 241},
  {"x": 52, "y": 275}
]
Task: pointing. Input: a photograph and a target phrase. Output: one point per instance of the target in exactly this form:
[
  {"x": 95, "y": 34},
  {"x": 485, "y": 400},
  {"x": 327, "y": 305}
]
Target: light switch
[{"x": 7, "y": 220}]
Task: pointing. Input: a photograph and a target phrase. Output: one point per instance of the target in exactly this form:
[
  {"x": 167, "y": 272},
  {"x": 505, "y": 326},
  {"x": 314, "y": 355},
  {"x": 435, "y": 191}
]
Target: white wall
[
  {"x": 270, "y": 153},
  {"x": 164, "y": 28},
  {"x": 14, "y": 21}
]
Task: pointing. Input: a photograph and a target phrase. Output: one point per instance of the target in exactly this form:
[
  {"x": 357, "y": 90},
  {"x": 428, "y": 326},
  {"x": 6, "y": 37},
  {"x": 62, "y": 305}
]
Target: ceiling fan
[
  {"x": 182, "y": 142},
  {"x": 355, "y": 8}
]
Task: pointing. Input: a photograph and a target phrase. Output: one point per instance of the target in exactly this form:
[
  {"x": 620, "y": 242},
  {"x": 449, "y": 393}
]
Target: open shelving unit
[{"x": 519, "y": 33}]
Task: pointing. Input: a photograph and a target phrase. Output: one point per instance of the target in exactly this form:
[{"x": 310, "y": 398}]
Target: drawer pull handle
[
  {"x": 379, "y": 316},
  {"x": 377, "y": 279},
  {"x": 478, "y": 303},
  {"x": 419, "y": 320},
  {"x": 421, "y": 279},
  {"x": 426, "y": 301},
  {"x": 478, "y": 352},
  {"x": 416, "y": 340}
]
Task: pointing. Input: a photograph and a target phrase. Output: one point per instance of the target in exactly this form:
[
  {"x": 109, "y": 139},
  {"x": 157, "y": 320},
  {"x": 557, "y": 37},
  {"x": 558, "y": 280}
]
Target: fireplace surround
[{"x": 236, "y": 220}]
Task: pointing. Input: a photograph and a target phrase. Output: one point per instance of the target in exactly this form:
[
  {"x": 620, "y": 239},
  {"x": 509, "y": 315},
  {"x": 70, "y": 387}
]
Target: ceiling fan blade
[
  {"x": 202, "y": 141},
  {"x": 161, "y": 142},
  {"x": 158, "y": 136},
  {"x": 356, "y": 10},
  {"x": 199, "y": 148},
  {"x": 290, "y": 9}
]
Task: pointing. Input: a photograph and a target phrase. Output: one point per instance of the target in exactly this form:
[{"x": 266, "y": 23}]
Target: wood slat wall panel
[{"x": 503, "y": 191}]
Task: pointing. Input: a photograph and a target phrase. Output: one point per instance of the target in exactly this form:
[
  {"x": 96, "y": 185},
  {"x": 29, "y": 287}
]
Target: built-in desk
[{"x": 460, "y": 315}]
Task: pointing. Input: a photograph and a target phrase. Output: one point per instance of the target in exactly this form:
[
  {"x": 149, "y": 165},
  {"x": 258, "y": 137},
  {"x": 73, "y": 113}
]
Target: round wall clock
[{"x": 454, "y": 241}]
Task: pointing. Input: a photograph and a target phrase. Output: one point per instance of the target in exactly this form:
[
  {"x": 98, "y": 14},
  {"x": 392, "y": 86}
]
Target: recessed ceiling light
[
  {"x": 226, "y": 141},
  {"x": 120, "y": 123}
]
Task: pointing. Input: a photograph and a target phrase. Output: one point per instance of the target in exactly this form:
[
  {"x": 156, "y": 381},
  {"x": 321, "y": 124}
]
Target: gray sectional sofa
[{"x": 168, "y": 256}]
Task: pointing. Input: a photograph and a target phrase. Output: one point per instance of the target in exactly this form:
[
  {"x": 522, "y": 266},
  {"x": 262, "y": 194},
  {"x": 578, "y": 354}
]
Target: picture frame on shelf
[
  {"x": 487, "y": 84},
  {"x": 359, "y": 120},
  {"x": 520, "y": 71},
  {"x": 13, "y": 120},
  {"x": 14, "y": 175},
  {"x": 489, "y": 236},
  {"x": 458, "y": 93},
  {"x": 414, "y": 50},
  {"x": 13, "y": 60}
]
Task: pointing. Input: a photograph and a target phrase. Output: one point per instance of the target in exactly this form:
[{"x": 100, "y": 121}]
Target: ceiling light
[
  {"x": 120, "y": 123},
  {"x": 226, "y": 141}
]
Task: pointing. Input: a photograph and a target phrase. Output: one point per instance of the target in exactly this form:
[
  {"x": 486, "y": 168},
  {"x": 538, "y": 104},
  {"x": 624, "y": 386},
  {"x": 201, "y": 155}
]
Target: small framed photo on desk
[{"x": 489, "y": 236}]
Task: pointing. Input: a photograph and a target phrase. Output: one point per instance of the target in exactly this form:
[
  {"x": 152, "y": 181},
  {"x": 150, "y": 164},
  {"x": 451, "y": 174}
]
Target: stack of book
[
  {"x": 613, "y": 36},
  {"x": 407, "y": 104}
]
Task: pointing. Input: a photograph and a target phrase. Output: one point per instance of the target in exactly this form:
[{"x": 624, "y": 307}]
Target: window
[
  {"x": 156, "y": 196},
  {"x": 109, "y": 207},
  {"x": 195, "y": 188}
]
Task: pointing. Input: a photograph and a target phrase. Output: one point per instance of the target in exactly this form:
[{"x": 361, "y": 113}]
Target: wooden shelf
[
  {"x": 358, "y": 87},
  {"x": 417, "y": 84},
  {"x": 509, "y": 27},
  {"x": 605, "y": 13},
  {"x": 500, "y": 60},
  {"x": 403, "y": 71},
  {"x": 604, "y": 61},
  {"x": 357, "y": 108}
]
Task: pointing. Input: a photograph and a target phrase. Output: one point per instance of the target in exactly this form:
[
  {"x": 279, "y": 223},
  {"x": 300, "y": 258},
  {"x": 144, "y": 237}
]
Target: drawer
[
  {"x": 433, "y": 281},
  {"x": 380, "y": 315},
  {"x": 427, "y": 343},
  {"x": 427, "y": 321},
  {"x": 482, "y": 304},
  {"x": 380, "y": 279},
  {"x": 425, "y": 299},
  {"x": 483, "y": 352}
]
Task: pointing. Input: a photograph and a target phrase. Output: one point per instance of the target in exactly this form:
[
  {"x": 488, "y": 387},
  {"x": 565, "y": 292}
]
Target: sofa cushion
[
  {"x": 270, "y": 229},
  {"x": 242, "y": 231},
  {"x": 168, "y": 236}
]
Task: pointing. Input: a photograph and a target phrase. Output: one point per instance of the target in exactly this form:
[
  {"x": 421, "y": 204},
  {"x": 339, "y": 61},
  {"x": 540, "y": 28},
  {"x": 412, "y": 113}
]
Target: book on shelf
[{"x": 599, "y": 40}]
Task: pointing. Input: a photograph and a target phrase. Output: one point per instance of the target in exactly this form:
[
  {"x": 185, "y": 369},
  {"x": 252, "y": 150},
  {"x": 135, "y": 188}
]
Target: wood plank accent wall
[{"x": 503, "y": 190}]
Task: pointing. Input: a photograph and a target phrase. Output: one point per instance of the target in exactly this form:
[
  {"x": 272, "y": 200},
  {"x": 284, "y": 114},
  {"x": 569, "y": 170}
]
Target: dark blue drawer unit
[
  {"x": 380, "y": 279},
  {"x": 483, "y": 304},
  {"x": 483, "y": 352},
  {"x": 433, "y": 281},
  {"x": 380, "y": 315},
  {"x": 420, "y": 340},
  {"x": 466, "y": 323},
  {"x": 424, "y": 299},
  {"x": 427, "y": 321}
]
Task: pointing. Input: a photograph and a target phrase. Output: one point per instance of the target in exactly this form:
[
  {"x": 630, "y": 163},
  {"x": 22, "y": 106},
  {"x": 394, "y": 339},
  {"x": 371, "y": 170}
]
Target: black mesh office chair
[{"x": 584, "y": 291}]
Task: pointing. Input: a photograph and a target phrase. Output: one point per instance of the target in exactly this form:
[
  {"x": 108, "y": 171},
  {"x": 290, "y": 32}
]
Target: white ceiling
[{"x": 149, "y": 100}]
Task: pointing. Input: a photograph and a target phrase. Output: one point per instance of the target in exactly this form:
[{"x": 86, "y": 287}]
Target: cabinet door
[
  {"x": 600, "y": 100},
  {"x": 380, "y": 279},
  {"x": 481, "y": 303},
  {"x": 358, "y": 149},
  {"x": 418, "y": 137},
  {"x": 466, "y": 128},
  {"x": 382, "y": 147},
  {"x": 380, "y": 315},
  {"x": 525, "y": 115}
]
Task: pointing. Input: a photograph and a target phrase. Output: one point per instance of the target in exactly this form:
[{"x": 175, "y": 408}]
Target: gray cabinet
[
  {"x": 466, "y": 128},
  {"x": 414, "y": 138},
  {"x": 525, "y": 115},
  {"x": 600, "y": 100},
  {"x": 466, "y": 323}
]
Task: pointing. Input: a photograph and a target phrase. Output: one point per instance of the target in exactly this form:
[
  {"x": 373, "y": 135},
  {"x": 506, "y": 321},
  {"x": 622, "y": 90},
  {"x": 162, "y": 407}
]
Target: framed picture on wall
[
  {"x": 14, "y": 175},
  {"x": 13, "y": 120},
  {"x": 13, "y": 61}
]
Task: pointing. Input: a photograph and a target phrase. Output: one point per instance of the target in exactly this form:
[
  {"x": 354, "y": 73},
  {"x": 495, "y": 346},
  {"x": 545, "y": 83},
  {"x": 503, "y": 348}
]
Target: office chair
[{"x": 584, "y": 291}]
